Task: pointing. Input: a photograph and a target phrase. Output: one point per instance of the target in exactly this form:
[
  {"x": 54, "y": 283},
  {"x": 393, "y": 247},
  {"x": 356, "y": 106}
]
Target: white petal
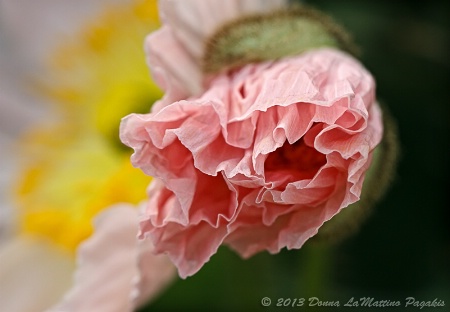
[{"x": 34, "y": 274}]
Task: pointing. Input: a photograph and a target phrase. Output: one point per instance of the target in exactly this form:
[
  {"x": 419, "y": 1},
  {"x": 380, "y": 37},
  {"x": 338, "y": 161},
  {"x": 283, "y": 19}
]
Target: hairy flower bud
[{"x": 262, "y": 37}]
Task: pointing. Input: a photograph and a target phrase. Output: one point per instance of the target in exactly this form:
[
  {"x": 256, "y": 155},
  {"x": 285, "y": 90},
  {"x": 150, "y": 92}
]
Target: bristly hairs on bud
[{"x": 263, "y": 37}]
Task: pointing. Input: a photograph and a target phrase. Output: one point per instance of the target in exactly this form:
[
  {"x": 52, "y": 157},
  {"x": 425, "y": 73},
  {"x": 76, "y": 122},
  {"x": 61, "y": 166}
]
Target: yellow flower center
[
  {"x": 76, "y": 168},
  {"x": 63, "y": 191}
]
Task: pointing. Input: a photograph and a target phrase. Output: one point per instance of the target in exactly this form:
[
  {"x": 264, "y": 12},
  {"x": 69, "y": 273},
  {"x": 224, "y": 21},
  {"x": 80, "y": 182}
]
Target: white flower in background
[{"x": 69, "y": 70}]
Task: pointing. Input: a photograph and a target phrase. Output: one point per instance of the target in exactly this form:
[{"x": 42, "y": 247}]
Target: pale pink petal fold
[
  {"x": 195, "y": 20},
  {"x": 261, "y": 160},
  {"x": 174, "y": 52},
  {"x": 174, "y": 70},
  {"x": 116, "y": 271}
]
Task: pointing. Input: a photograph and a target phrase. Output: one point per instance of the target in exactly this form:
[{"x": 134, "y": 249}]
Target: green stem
[{"x": 316, "y": 272}]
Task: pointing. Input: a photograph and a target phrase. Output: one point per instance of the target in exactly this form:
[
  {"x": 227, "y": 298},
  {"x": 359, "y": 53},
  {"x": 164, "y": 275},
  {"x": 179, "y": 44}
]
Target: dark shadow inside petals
[{"x": 296, "y": 161}]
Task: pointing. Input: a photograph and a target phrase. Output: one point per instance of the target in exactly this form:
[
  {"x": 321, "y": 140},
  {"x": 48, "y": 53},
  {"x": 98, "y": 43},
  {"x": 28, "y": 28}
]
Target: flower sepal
[{"x": 270, "y": 36}]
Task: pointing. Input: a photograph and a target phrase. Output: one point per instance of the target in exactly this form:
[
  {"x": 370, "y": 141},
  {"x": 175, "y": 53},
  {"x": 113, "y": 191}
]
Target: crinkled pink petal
[
  {"x": 261, "y": 160},
  {"x": 289, "y": 230},
  {"x": 189, "y": 246},
  {"x": 273, "y": 226},
  {"x": 116, "y": 271},
  {"x": 164, "y": 153}
]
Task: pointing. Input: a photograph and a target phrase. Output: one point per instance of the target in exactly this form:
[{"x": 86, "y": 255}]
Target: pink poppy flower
[{"x": 261, "y": 160}]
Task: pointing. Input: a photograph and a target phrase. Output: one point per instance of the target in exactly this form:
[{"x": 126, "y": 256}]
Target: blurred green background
[{"x": 403, "y": 249}]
